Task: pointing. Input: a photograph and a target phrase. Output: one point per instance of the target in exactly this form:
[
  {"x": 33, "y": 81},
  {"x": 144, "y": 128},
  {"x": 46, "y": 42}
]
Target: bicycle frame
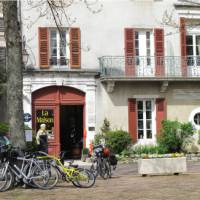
[
  {"x": 64, "y": 171},
  {"x": 19, "y": 172}
]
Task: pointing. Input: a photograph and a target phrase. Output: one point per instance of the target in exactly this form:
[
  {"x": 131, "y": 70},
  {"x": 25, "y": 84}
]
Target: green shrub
[
  {"x": 173, "y": 135},
  {"x": 117, "y": 140},
  {"x": 147, "y": 149}
]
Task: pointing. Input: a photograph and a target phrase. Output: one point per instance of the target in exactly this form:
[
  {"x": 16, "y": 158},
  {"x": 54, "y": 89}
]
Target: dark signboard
[{"x": 45, "y": 116}]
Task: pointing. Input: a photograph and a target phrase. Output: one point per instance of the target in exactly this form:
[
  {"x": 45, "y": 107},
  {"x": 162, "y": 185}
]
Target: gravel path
[{"x": 125, "y": 184}]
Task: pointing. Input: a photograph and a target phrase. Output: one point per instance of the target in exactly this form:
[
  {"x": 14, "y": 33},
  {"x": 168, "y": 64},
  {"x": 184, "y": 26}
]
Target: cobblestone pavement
[{"x": 126, "y": 184}]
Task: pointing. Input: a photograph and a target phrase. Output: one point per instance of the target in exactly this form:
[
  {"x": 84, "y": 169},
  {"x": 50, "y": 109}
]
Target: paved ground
[{"x": 125, "y": 185}]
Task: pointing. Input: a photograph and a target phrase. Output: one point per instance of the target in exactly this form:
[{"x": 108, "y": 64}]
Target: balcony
[{"x": 149, "y": 68}]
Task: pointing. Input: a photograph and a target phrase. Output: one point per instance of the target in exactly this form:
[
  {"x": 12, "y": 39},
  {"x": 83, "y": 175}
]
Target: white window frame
[
  {"x": 143, "y": 69},
  {"x": 191, "y": 118},
  {"x": 146, "y": 140},
  {"x": 58, "y": 47}
]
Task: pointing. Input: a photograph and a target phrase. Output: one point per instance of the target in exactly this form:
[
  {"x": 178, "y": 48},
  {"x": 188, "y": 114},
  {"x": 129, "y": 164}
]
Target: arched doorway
[{"x": 62, "y": 109}]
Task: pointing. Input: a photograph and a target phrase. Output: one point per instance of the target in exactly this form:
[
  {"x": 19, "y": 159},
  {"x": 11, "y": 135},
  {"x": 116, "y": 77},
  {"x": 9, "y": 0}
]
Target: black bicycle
[{"x": 101, "y": 162}]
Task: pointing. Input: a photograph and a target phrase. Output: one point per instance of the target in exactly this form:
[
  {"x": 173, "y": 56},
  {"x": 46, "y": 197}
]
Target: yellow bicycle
[{"x": 80, "y": 177}]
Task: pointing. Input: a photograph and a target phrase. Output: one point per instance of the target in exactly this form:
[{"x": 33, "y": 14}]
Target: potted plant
[{"x": 85, "y": 152}]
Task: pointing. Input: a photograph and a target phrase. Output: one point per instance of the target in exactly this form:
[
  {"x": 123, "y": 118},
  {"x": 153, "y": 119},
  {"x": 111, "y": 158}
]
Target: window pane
[
  {"x": 53, "y": 61},
  {"x": 198, "y": 40},
  {"x": 190, "y": 61},
  {"x": 53, "y": 47},
  {"x": 140, "y": 134},
  {"x": 136, "y": 35},
  {"x": 140, "y": 115},
  {"x": 140, "y": 105},
  {"x": 53, "y": 43},
  {"x": 148, "y": 105},
  {"x": 149, "y": 134},
  {"x": 189, "y": 40},
  {"x": 197, "y": 50},
  {"x": 148, "y": 35},
  {"x": 63, "y": 61},
  {"x": 54, "y": 52},
  {"x": 148, "y": 114},
  {"x": 136, "y": 43},
  {"x": 190, "y": 50},
  {"x": 137, "y": 52},
  {"x": 63, "y": 44},
  {"x": 148, "y": 43},
  {"x": 149, "y": 124},
  {"x": 149, "y": 61},
  {"x": 140, "y": 124},
  {"x": 148, "y": 52},
  {"x": 197, "y": 119},
  {"x": 53, "y": 34}
]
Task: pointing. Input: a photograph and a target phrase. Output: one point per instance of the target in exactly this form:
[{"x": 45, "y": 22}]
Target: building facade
[{"x": 133, "y": 62}]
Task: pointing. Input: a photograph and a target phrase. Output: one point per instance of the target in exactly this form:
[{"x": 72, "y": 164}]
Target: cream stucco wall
[
  {"x": 102, "y": 33},
  {"x": 182, "y": 98}
]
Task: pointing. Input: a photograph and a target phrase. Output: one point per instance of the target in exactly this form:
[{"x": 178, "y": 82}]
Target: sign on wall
[
  {"x": 46, "y": 116},
  {"x": 27, "y": 117}
]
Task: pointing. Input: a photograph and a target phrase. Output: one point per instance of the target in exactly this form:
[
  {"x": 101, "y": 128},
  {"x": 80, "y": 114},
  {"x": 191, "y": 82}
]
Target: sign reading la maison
[{"x": 45, "y": 116}]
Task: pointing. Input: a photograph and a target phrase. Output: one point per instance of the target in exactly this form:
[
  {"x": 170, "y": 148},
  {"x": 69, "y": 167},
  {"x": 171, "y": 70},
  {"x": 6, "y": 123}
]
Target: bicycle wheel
[
  {"x": 108, "y": 168},
  {"x": 44, "y": 175},
  {"x": 102, "y": 169},
  {"x": 6, "y": 178},
  {"x": 83, "y": 178},
  {"x": 94, "y": 169}
]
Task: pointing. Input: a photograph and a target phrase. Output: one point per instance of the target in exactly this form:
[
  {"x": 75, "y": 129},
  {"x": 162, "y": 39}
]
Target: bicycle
[
  {"x": 26, "y": 169},
  {"x": 101, "y": 163},
  {"x": 79, "y": 177}
]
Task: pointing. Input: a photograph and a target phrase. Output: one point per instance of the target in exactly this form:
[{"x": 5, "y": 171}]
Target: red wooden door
[{"x": 46, "y": 106}]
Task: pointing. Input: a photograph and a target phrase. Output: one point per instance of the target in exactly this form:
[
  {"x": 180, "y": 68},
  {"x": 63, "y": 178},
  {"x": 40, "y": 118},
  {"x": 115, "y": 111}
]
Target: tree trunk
[{"x": 14, "y": 73}]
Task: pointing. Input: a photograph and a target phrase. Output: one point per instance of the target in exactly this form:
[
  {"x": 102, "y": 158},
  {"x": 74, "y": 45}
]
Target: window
[
  {"x": 193, "y": 49},
  {"x": 58, "y": 47},
  {"x": 197, "y": 119},
  {"x": 194, "y": 118},
  {"x": 145, "y": 119},
  {"x": 143, "y": 47}
]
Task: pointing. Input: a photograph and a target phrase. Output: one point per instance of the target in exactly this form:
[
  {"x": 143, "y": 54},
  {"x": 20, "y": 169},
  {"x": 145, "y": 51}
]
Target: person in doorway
[{"x": 42, "y": 139}]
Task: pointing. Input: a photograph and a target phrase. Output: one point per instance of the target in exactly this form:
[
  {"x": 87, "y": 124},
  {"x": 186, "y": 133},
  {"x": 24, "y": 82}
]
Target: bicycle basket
[{"x": 113, "y": 160}]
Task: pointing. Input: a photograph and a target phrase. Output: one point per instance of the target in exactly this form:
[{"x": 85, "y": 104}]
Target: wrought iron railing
[{"x": 150, "y": 66}]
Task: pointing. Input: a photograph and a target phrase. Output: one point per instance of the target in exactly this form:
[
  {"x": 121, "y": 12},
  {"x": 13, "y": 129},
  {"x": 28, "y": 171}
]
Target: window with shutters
[
  {"x": 145, "y": 119},
  {"x": 59, "y": 47}
]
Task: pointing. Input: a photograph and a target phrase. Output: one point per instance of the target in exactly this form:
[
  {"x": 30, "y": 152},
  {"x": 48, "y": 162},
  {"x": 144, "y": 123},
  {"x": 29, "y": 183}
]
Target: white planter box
[{"x": 162, "y": 166}]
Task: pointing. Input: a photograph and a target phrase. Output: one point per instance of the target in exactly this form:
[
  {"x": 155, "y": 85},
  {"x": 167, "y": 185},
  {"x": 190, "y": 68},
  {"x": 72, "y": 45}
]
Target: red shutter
[
  {"x": 132, "y": 119},
  {"x": 129, "y": 52},
  {"x": 75, "y": 48},
  {"x": 159, "y": 51},
  {"x": 43, "y": 47},
  {"x": 183, "y": 46},
  {"x": 161, "y": 111}
]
